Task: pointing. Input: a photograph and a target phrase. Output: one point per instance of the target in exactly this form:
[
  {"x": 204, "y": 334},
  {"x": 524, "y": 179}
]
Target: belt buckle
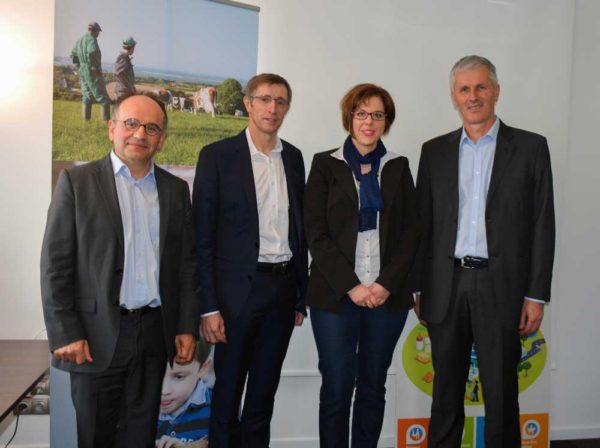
[
  {"x": 464, "y": 261},
  {"x": 280, "y": 268}
]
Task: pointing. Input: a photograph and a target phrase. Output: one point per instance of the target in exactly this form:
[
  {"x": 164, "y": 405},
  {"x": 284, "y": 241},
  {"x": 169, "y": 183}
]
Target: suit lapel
[
  {"x": 164, "y": 205},
  {"x": 343, "y": 175},
  {"x": 451, "y": 162},
  {"x": 244, "y": 170},
  {"x": 105, "y": 178},
  {"x": 504, "y": 151}
]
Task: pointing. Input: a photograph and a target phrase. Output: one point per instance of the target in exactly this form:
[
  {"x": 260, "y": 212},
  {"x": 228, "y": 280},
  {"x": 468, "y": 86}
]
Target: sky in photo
[{"x": 190, "y": 36}]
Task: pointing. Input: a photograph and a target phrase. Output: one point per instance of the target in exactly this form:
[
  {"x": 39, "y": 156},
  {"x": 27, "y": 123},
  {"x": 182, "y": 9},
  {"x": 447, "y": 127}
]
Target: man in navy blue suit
[{"x": 252, "y": 262}]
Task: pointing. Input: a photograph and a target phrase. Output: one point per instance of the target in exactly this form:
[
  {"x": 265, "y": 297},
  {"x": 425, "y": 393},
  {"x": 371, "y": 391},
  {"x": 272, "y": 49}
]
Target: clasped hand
[{"x": 370, "y": 297}]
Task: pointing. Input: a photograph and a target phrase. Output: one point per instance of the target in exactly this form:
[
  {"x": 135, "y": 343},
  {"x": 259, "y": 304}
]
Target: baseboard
[
  {"x": 574, "y": 432},
  {"x": 386, "y": 441}
]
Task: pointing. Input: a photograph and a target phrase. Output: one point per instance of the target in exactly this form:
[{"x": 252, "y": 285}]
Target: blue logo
[{"x": 415, "y": 434}]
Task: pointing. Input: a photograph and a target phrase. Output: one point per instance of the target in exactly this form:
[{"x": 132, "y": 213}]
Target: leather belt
[
  {"x": 138, "y": 312},
  {"x": 274, "y": 268},
  {"x": 469, "y": 262}
]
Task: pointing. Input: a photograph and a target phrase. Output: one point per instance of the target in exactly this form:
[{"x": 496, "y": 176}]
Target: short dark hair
[
  {"x": 361, "y": 93},
  {"x": 150, "y": 95},
  {"x": 267, "y": 78}
]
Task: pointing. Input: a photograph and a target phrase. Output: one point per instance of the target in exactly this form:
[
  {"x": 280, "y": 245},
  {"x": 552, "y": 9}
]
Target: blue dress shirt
[
  {"x": 475, "y": 162},
  {"x": 138, "y": 201}
]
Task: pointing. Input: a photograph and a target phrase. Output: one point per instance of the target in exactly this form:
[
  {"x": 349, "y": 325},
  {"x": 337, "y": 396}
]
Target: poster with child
[{"x": 185, "y": 402}]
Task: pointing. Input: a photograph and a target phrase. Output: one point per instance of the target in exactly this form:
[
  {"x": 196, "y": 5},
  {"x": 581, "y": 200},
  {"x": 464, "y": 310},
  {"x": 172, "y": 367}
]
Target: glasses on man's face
[
  {"x": 133, "y": 124},
  {"x": 363, "y": 114},
  {"x": 265, "y": 100}
]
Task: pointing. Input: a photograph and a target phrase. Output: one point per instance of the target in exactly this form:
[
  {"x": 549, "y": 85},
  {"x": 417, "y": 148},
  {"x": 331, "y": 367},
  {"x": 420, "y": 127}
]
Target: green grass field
[{"x": 74, "y": 139}]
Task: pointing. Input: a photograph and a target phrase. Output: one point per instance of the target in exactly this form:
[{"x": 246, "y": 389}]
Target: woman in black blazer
[{"x": 362, "y": 230}]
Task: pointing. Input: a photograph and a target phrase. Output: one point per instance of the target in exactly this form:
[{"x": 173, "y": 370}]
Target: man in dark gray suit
[
  {"x": 119, "y": 290},
  {"x": 485, "y": 263}
]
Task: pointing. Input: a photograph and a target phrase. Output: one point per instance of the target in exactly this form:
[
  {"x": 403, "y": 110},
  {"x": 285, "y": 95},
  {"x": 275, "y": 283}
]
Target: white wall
[
  {"x": 575, "y": 394},
  {"x": 26, "y": 46},
  {"x": 547, "y": 60}
]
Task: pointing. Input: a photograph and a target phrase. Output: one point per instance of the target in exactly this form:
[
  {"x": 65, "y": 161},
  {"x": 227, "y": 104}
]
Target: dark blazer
[
  {"x": 519, "y": 218},
  {"x": 83, "y": 257},
  {"x": 226, "y": 223},
  {"x": 331, "y": 223}
]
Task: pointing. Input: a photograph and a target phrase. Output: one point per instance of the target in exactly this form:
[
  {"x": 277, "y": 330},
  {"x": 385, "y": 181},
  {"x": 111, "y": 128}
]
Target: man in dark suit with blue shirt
[
  {"x": 485, "y": 263},
  {"x": 118, "y": 280},
  {"x": 252, "y": 262}
]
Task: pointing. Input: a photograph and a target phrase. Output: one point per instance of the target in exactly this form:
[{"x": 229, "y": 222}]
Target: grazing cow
[
  {"x": 162, "y": 95},
  {"x": 173, "y": 104},
  {"x": 205, "y": 99}
]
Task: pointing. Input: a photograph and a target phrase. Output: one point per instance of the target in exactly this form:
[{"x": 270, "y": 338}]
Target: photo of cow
[{"x": 182, "y": 51}]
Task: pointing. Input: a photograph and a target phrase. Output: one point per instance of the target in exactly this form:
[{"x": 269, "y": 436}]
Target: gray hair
[{"x": 471, "y": 62}]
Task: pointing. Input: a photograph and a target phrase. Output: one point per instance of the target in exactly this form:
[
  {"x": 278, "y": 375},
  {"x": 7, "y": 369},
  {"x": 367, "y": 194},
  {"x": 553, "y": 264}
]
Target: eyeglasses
[
  {"x": 363, "y": 114},
  {"x": 133, "y": 124},
  {"x": 266, "y": 100}
]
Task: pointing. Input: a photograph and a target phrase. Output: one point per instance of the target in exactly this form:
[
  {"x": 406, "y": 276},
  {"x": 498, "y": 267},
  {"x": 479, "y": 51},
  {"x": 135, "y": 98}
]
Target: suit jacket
[
  {"x": 519, "y": 217},
  {"x": 331, "y": 222},
  {"x": 83, "y": 257},
  {"x": 226, "y": 223}
]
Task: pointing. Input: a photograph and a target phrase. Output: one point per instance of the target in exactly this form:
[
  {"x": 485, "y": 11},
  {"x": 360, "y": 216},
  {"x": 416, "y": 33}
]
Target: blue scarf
[{"x": 371, "y": 200}]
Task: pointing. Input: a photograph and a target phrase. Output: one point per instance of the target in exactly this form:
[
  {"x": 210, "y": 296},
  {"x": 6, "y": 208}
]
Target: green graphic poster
[
  {"x": 417, "y": 362},
  {"x": 468, "y": 439}
]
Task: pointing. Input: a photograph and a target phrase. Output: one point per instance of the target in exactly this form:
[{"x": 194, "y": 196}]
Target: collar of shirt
[
  {"x": 119, "y": 167},
  {"x": 492, "y": 133},
  {"x": 254, "y": 151},
  {"x": 389, "y": 155}
]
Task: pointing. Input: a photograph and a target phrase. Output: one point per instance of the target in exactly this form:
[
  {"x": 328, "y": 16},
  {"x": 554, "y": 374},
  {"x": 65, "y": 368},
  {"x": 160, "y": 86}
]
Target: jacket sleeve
[
  {"x": 336, "y": 268},
  {"x": 189, "y": 306},
  {"x": 58, "y": 268},
  {"x": 543, "y": 227},
  {"x": 394, "y": 274},
  {"x": 425, "y": 214},
  {"x": 205, "y": 209}
]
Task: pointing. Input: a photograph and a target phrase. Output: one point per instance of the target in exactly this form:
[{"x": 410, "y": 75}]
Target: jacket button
[{"x": 250, "y": 277}]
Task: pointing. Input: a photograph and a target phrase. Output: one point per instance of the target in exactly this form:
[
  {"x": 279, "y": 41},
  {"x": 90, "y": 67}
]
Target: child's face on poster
[{"x": 178, "y": 385}]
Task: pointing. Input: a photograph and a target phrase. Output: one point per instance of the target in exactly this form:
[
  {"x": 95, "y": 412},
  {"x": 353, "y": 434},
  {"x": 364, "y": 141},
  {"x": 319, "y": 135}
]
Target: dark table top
[{"x": 22, "y": 364}]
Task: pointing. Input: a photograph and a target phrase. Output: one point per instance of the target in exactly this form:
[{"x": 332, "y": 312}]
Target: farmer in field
[
  {"x": 87, "y": 57},
  {"x": 124, "y": 76}
]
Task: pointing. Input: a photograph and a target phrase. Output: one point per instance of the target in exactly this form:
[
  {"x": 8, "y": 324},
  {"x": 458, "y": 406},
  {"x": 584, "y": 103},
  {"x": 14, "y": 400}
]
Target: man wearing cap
[
  {"x": 124, "y": 76},
  {"x": 87, "y": 57}
]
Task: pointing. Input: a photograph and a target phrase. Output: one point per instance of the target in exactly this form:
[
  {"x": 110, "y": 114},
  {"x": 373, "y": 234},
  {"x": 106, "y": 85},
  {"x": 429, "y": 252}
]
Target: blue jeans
[{"x": 355, "y": 349}]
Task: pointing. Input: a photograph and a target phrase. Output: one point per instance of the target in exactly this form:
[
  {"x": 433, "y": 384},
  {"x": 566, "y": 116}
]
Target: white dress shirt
[
  {"x": 367, "y": 262},
  {"x": 272, "y": 203}
]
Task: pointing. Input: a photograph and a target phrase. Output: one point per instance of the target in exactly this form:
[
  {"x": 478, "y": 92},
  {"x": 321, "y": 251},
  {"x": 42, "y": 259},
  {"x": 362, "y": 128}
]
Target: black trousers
[
  {"x": 474, "y": 316},
  {"x": 119, "y": 407},
  {"x": 257, "y": 341}
]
